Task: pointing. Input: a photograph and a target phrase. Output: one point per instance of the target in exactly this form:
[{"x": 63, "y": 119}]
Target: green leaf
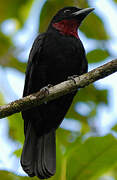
[
  {"x": 97, "y": 55},
  {"x": 114, "y": 172},
  {"x": 2, "y": 101},
  {"x": 92, "y": 97},
  {"x": 60, "y": 170},
  {"x": 7, "y": 58},
  {"x": 18, "y": 9},
  {"x": 18, "y": 152},
  {"x": 16, "y": 127},
  {"x": 15, "y": 63},
  {"x": 93, "y": 27},
  {"x": 114, "y": 128},
  {"x": 5, "y": 44},
  {"x": 10, "y": 61},
  {"x": 91, "y": 93},
  {"x": 92, "y": 158},
  {"x": 5, "y": 175},
  {"x": 72, "y": 112},
  {"x": 85, "y": 128}
]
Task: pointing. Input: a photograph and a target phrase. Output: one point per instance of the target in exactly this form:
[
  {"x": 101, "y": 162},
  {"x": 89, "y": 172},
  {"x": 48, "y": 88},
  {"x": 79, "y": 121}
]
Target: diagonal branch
[{"x": 60, "y": 89}]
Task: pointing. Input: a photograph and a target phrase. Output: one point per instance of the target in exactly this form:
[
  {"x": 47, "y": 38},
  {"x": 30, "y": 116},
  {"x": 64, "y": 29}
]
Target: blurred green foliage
[
  {"x": 79, "y": 156},
  {"x": 18, "y": 9},
  {"x": 92, "y": 160},
  {"x": 97, "y": 55},
  {"x": 1, "y": 99},
  {"x": 115, "y": 128}
]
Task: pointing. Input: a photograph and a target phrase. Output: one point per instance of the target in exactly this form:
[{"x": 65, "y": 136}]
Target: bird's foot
[
  {"x": 49, "y": 85},
  {"x": 72, "y": 78},
  {"x": 46, "y": 89}
]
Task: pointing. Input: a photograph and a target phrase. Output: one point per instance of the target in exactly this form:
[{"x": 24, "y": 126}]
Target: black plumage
[{"x": 55, "y": 55}]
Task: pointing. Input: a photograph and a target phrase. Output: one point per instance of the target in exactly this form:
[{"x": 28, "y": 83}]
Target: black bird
[{"x": 55, "y": 55}]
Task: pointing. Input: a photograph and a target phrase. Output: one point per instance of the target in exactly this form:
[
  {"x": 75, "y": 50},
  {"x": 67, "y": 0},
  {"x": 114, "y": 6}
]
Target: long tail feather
[
  {"x": 45, "y": 165},
  {"x": 39, "y": 154},
  {"x": 27, "y": 157}
]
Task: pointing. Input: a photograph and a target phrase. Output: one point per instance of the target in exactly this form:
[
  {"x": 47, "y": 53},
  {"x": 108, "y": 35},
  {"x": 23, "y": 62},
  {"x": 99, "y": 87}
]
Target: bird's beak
[{"x": 81, "y": 14}]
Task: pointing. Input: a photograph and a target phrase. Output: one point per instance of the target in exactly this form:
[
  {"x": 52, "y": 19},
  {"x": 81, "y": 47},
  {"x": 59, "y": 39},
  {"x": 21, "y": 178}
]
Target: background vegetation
[{"x": 84, "y": 152}]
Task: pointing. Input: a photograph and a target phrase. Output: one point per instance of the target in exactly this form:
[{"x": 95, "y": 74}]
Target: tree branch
[{"x": 60, "y": 89}]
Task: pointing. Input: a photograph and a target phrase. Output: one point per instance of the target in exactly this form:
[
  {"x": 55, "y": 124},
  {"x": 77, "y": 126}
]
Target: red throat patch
[{"x": 67, "y": 27}]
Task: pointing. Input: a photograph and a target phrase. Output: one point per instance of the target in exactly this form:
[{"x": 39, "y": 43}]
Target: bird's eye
[{"x": 66, "y": 11}]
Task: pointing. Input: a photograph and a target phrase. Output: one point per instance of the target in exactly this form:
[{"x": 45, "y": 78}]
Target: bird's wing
[
  {"x": 35, "y": 76},
  {"x": 34, "y": 59},
  {"x": 37, "y": 150}
]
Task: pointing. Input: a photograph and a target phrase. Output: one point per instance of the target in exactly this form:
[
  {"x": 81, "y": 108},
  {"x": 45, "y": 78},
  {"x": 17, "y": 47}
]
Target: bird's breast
[{"x": 63, "y": 56}]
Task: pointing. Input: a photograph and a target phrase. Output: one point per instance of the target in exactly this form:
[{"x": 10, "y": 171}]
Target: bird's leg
[
  {"x": 46, "y": 90},
  {"x": 72, "y": 78}
]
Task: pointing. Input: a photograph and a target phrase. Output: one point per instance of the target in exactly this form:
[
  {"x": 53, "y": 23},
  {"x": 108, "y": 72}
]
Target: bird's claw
[
  {"x": 72, "y": 78},
  {"x": 49, "y": 85},
  {"x": 46, "y": 89}
]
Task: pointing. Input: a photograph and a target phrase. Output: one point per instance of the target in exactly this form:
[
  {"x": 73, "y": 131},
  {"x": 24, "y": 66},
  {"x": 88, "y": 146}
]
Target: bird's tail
[{"x": 39, "y": 154}]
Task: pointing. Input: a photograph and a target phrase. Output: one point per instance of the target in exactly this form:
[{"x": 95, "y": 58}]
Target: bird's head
[{"x": 68, "y": 19}]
